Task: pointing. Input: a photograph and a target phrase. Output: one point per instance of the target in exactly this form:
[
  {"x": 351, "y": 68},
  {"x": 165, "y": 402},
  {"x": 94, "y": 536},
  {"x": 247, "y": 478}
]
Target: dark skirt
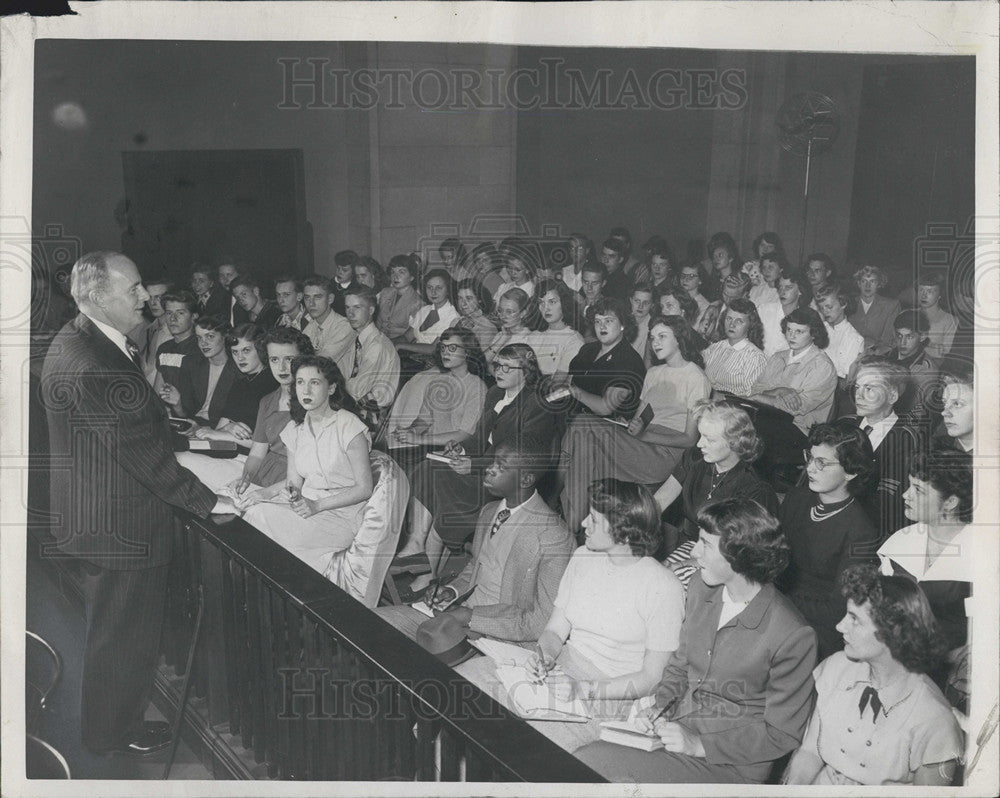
[{"x": 453, "y": 500}]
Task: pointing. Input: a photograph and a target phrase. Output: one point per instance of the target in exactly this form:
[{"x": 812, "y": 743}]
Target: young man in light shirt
[
  {"x": 370, "y": 365},
  {"x": 330, "y": 333}
]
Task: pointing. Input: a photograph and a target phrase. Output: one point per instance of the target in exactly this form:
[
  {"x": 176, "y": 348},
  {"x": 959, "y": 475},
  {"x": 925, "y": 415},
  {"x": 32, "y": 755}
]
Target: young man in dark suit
[
  {"x": 213, "y": 299},
  {"x": 114, "y": 487}
]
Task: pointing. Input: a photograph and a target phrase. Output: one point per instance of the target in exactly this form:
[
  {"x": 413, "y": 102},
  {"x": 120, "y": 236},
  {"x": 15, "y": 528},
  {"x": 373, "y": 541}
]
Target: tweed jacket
[
  {"x": 746, "y": 689},
  {"x": 531, "y": 574}
]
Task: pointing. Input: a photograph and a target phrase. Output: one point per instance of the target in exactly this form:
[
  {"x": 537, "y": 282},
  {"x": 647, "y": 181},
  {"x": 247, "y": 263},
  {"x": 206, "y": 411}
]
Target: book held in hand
[{"x": 624, "y": 732}]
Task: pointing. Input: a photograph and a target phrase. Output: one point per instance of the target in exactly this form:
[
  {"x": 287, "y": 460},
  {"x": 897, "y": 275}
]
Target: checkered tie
[{"x": 502, "y": 517}]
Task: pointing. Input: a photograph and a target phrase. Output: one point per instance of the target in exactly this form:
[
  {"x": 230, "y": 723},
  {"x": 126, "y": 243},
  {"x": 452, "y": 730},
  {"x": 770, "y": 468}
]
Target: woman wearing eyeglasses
[
  {"x": 514, "y": 310},
  {"x": 439, "y": 404},
  {"x": 878, "y": 718},
  {"x": 447, "y": 497},
  {"x": 827, "y": 527}
]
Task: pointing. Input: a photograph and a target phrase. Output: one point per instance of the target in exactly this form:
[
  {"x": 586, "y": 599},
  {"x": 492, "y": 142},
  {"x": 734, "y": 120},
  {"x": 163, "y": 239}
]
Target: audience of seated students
[
  {"x": 591, "y": 290},
  {"x": 794, "y": 291},
  {"x": 642, "y": 306},
  {"x": 262, "y": 312},
  {"x": 521, "y": 268},
  {"x": 516, "y": 311},
  {"x": 768, "y": 243},
  {"x": 446, "y": 497},
  {"x": 800, "y": 380},
  {"x": 938, "y": 549},
  {"x": 581, "y": 252},
  {"x": 475, "y": 304},
  {"x": 438, "y": 405},
  {"x": 905, "y": 732},
  {"x": 941, "y": 325},
  {"x": 736, "y": 694},
  {"x": 427, "y": 324},
  {"x": 399, "y": 300},
  {"x": 267, "y": 461},
  {"x": 606, "y": 375},
  {"x": 648, "y": 449},
  {"x": 558, "y": 339},
  {"x": 718, "y": 466},
  {"x": 689, "y": 280},
  {"x": 635, "y": 267},
  {"x": 733, "y": 364},
  {"x": 455, "y": 260},
  {"x": 371, "y": 365},
  {"x": 212, "y": 298},
  {"x": 203, "y": 384},
  {"x": 369, "y": 272},
  {"x": 519, "y": 553},
  {"x": 179, "y": 354},
  {"x": 616, "y": 617},
  {"x": 661, "y": 267},
  {"x": 846, "y": 343},
  {"x": 874, "y": 314},
  {"x": 288, "y": 297},
  {"x": 153, "y": 331},
  {"x": 827, "y": 526},
  {"x": 328, "y": 330},
  {"x": 958, "y": 407},
  {"x": 226, "y": 273},
  {"x": 724, "y": 258},
  {"x": 320, "y": 503},
  {"x": 896, "y": 437},
  {"x": 617, "y": 281},
  {"x": 771, "y": 265},
  {"x": 678, "y": 303},
  {"x": 247, "y": 348},
  {"x": 343, "y": 277},
  {"x": 821, "y": 272},
  {"x": 760, "y": 291},
  {"x": 910, "y": 351},
  {"x": 487, "y": 269}
]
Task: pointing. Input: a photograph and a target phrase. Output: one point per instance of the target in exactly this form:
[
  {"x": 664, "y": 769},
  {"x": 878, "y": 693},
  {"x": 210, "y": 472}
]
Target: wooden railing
[{"x": 314, "y": 686}]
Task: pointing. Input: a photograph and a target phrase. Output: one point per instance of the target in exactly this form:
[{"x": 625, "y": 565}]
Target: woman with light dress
[{"x": 318, "y": 509}]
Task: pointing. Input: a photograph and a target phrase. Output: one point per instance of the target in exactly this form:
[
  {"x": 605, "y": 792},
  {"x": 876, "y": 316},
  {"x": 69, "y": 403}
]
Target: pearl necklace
[{"x": 817, "y": 514}]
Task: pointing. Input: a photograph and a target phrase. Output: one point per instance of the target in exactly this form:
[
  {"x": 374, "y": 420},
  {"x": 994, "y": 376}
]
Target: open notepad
[{"x": 526, "y": 697}]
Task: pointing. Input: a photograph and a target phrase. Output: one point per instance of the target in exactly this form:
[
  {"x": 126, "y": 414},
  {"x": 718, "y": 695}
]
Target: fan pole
[{"x": 805, "y": 202}]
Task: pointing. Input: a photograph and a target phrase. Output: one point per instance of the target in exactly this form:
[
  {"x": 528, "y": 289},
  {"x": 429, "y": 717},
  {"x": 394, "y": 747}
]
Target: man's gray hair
[{"x": 90, "y": 273}]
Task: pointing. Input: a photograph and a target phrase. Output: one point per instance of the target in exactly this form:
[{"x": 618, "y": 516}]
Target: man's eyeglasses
[
  {"x": 452, "y": 349},
  {"x": 505, "y": 368},
  {"x": 820, "y": 462}
]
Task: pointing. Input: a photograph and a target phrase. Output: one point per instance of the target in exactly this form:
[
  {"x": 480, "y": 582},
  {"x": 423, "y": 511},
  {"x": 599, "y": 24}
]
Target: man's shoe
[{"x": 151, "y": 738}]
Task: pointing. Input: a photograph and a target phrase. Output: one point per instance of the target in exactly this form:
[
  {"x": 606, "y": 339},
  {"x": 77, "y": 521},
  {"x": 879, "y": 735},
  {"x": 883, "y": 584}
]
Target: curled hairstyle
[
  {"x": 845, "y": 299},
  {"x": 632, "y": 514},
  {"x": 610, "y": 305},
  {"x": 755, "y": 328},
  {"x": 526, "y": 359},
  {"x": 726, "y": 242},
  {"x": 902, "y": 616},
  {"x": 687, "y": 340},
  {"x": 474, "y": 358},
  {"x": 949, "y": 472},
  {"x": 798, "y": 276},
  {"x": 483, "y": 297},
  {"x": 340, "y": 399},
  {"x": 290, "y": 336},
  {"x": 411, "y": 264},
  {"x": 449, "y": 284},
  {"x": 567, "y": 301},
  {"x": 771, "y": 238},
  {"x": 854, "y": 452},
  {"x": 737, "y": 427},
  {"x": 750, "y": 538},
  {"x": 881, "y": 279},
  {"x": 689, "y": 308},
  {"x": 253, "y": 333},
  {"x": 808, "y": 317},
  {"x": 215, "y": 323}
]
